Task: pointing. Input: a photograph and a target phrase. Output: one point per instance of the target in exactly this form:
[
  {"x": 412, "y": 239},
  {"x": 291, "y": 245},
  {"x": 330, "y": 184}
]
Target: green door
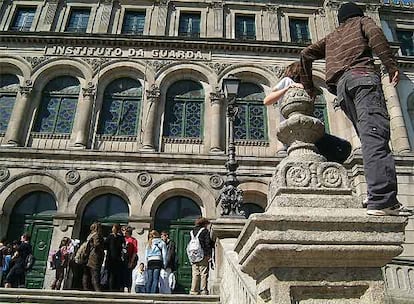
[
  {"x": 33, "y": 214},
  {"x": 176, "y": 215}
]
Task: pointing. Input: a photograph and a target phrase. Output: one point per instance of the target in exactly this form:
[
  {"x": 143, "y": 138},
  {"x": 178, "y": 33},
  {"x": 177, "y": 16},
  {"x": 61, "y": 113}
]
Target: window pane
[
  {"x": 35, "y": 203},
  {"x": 176, "y": 208},
  {"x": 189, "y": 25},
  {"x": 106, "y": 207},
  {"x": 58, "y": 106},
  {"x": 245, "y": 27},
  {"x": 134, "y": 23},
  {"x": 250, "y": 123},
  {"x": 121, "y": 108},
  {"x": 9, "y": 86},
  {"x": 78, "y": 21},
  {"x": 406, "y": 40},
  {"x": 23, "y": 19},
  {"x": 299, "y": 30},
  {"x": 184, "y": 110}
]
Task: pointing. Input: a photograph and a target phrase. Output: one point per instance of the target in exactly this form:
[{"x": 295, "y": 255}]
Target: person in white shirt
[{"x": 139, "y": 278}]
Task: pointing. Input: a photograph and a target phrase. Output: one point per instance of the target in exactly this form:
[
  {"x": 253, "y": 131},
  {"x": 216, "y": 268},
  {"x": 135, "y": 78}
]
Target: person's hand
[
  {"x": 394, "y": 79},
  {"x": 296, "y": 85}
]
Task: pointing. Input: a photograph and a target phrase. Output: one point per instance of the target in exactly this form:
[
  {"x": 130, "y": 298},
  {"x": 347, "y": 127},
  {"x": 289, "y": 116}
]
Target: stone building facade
[{"x": 113, "y": 110}]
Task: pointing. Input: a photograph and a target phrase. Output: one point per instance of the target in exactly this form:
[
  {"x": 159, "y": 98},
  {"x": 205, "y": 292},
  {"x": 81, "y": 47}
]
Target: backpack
[
  {"x": 82, "y": 255},
  {"x": 194, "y": 250},
  {"x": 57, "y": 259},
  {"x": 29, "y": 262}
]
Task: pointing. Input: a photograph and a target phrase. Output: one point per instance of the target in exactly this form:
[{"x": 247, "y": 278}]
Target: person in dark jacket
[
  {"x": 92, "y": 271},
  {"x": 114, "y": 244},
  {"x": 200, "y": 270},
  {"x": 171, "y": 264},
  {"x": 17, "y": 274},
  {"x": 352, "y": 76}
]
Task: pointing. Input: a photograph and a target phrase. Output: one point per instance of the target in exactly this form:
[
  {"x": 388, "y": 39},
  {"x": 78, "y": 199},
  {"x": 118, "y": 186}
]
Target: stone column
[
  {"x": 82, "y": 121},
  {"x": 399, "y": 136},
  {"x": 273, "y": 23},
  {"x": 162, "y": 17},
  {"x": 149, "y": 125},
  {"x": 216, "y": 100},
  {"x": 216, "y": 29},
  {"x": 18, "y": 120},
  {"x": 106, "y": 10},
  {"x": 315, "y": 243},
  {"x": 371, "y": 10},
  {"x": 51, "y": 9},
  {"x": 331, "y": 10},
  {"x": 142, "y": 226}
]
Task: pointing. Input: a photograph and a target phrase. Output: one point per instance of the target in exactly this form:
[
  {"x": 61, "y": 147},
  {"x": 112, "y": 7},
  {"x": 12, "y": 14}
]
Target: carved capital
[
  {"x": 372, "y": 8},
  {"x": 89, "y": 91},
  {"x": 321, "y": 12},
  {"x": 153, "y": 94},
  {"x": 271, "y": 8},
  {"x": 106, "y": 2},
  {"x": 333, "y": 4},
  {"x": 216, "y": 5},
  {"x": 27, "y": 88},
  {"x": 216, "y": 96},
  {"x": 162, "y": 3}
]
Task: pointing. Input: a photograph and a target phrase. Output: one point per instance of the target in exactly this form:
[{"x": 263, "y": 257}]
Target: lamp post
[{"x": 231, "y": 197}]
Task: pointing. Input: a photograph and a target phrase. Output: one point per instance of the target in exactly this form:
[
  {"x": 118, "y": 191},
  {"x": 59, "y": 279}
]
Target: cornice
[{"x": 111, "y": 40}]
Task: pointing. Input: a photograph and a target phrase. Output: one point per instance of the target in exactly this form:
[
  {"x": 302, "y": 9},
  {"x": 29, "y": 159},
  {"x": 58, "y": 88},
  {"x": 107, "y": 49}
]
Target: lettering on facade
[{"x": 128, "y": 53}]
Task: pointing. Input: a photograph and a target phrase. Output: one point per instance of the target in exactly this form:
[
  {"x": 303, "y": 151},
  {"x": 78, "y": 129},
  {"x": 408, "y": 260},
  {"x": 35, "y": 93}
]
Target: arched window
[
  {"x": 184, "y": 110},
  {"x": 177, "y": 208},
  {"x": 321, "y": 111},
  {"x": 107, "y": 209},
  {"x": 37, "y": 203},
  {"x": 250, "y": 123},
  {"x": 58, "y": 106},
  {"x": 121, "y": 108},
  {"x": 9, "y": 86}
]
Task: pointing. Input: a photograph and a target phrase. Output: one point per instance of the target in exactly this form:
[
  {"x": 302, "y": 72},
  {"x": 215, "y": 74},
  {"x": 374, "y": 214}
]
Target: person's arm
[
  {"x": 381, "y": 47},
  {"x": 164, "y": 253},
  {"x": 307, "y": 56},
  {"x": 275, "y": 96}
]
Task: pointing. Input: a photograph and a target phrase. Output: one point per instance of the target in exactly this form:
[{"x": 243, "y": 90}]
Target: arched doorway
[
  {"x": 108, "y": 209},
  {"x": 33, "y": 214},
  {"x": 250, "y": 208},
  {"x": 176, "y": 215}
]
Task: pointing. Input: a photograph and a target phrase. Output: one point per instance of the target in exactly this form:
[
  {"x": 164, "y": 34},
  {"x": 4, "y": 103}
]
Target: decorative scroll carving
[
  {"x": 218, "y": 67},
  {"x": 4, "y": 174},
  {"x": 51, "y": 11},
  {"x": 153, "y": 94},
  {"x": 277, "y": 70},
  {"x": 298, "y": 176},
  {"x": 271, "y": 8},
  {"x": 216, "y": 5},
  {"x": 157, "y": 65},
  {"x": 216, "y": 181},
  {"x": 89, "y": 90},
  {"x": 96, "y": 63},
  {"x": 216, "y": 96},
  {"x": 144, "y": 179},
  {"x": 72, "y": 177},
  {"x": 27, "y": 88},
  {"x": 35, "y": 61}
]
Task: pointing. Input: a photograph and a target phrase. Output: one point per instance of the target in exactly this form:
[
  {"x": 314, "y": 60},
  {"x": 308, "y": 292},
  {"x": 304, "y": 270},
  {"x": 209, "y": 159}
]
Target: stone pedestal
[{"x": 315, "y": 244}]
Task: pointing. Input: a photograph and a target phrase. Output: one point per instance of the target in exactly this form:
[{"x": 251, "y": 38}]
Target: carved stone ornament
[
  {"x": 216, "y": 96},
  {"x": 97, "y": 63},
  {"x": 89, "y": 90},
  {"x": 218, "y": 67},
  {"x": 272, "y": 8},
  {"x": 153, "y": 93},
  {"x": 157, "y": 65},
  {"x": 35, "y": 61},
  {"x": 298, "y": 176},
  {"x": 277, "y": 70},
  {"x": 331, "y": 175},
  {"x": 72, "y": 177},
  {"x": 144, "y": 179},
  {"x": 26, "y": 89},
  {"x": 217, "y": 5},
  {"x": 216, "y": 181},
  {"x": 4, "y": 174}
]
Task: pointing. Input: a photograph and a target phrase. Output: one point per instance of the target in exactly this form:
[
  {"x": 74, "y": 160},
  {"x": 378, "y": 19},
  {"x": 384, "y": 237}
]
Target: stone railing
[
  {"x": 399, "y": 280},
  {"x": 236, "y": 287}
]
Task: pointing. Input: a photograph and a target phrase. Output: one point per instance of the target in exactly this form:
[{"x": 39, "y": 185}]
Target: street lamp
[{"x": 231, "y": 197}]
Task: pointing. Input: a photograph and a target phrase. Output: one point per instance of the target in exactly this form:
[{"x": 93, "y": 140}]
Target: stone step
[{"x": 36, "y": 296}]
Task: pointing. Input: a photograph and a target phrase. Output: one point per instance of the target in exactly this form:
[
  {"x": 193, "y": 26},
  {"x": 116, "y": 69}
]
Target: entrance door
[
  {"x": 33, "y": 214},
  {"x": 176, "y": 215}
]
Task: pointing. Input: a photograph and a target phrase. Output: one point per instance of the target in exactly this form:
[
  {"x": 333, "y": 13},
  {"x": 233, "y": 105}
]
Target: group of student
[{"x": 16, "y": 259}]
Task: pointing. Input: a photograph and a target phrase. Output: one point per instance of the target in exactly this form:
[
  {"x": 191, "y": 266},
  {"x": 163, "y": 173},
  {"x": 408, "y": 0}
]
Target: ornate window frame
[
  {"x": 120, "y": 16},
  {"x": 11, "y": 10}
]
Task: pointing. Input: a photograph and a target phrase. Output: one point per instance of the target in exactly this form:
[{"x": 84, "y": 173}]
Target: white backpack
[{"x": 194, "y": 250}]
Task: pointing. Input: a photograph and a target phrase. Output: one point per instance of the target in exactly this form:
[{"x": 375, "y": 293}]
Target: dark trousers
[
  {"x": 91, "y": 276},
  {"x": 115, "y": 273},
  {"x": 59, "y": 276},
  {"x": 362, "y": 99}
]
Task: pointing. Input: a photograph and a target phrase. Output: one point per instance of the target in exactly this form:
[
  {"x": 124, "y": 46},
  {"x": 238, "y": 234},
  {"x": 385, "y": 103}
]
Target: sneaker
[{"x": 396, "y": 210}]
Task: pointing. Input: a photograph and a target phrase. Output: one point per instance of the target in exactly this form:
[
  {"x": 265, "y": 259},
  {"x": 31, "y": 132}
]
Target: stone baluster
[
  {"x": 18, "y": 120},
  {"x": 217, "y": 10},
  {"x": 399, "y": 136},
  {"x": 82, "y": 122},
  {"x": 162, "y": 17},
  {"x": 148, "y": 126},
  {"x": 51, "y": 8},
  {"x": 106, "y": 10},
  {"x": 216, "y": 100}
]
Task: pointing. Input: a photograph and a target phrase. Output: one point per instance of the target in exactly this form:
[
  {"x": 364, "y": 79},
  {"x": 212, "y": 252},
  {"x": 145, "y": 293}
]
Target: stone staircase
[{"x": 34, "y": 296}]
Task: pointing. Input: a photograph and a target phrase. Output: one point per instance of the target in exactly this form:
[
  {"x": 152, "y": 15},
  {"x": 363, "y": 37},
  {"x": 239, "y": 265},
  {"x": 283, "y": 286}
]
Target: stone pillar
[
  {"x": 18, "y": 120},
  {"x": 273, "y": 23},
  {"x": 216, "y": 100},
  {"x": 142, "y": 226},
  {"x": 315, "y": 243},
  {"x": 51, "y": 8},
  {"x": 216, "y": 27},
  {"x": 331, "y": 10},
  {"x": 106, "y": 10},
  {"x": 82, "y": 121},
  {"x": 149, "y": 125},
  {"x": 371, "y": 10},
  {"x": 162, "y": 17},
  {"x": 399, "y": 136}
]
